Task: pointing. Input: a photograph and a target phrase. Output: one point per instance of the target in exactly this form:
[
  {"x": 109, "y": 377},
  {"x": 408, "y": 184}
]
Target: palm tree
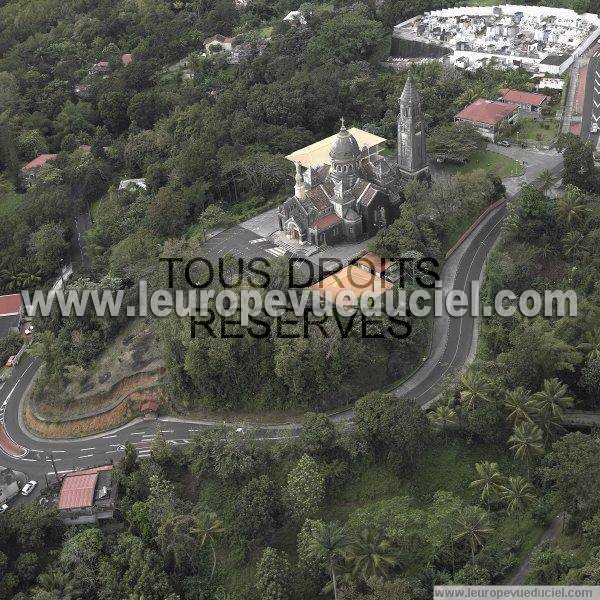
[
  {"x": 572, "y": 243},
  {"x": 370, "y": 554},
  {"x": 442, "y": 417},
  {"x": 53, "y": 585},
  {"x": 476, "y": 389},
  {"x": 473, "y": 527},
  {"x": 552, "y": 399},
  {"x": 208, "y": 526},
  {"x": 176, "y": 541},
  {"x": 591, "y": 344},
  {"x": 489, "y": 481},
  {"x": 518, "y": 494},
  {"x": 520, "y": 405},
  {"x": 328, "y": 541},
  {"x": 544, "y": 180},
  {"x": 526, "y": 442},
  {"x": 572, "y": 207}
]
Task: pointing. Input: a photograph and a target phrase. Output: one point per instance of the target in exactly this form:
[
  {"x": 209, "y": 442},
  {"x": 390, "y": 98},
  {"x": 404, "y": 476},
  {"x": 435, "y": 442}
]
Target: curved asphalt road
[{"x": 454, "y": 341}]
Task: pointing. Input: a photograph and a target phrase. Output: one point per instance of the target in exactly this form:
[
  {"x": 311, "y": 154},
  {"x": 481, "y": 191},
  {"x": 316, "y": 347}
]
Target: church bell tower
[{"x": 412, "y": 154}]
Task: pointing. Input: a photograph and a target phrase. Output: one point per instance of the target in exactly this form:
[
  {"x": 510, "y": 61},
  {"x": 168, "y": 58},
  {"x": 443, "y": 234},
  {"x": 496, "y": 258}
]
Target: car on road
[
  {"x": 3, "y": 508},
  {"x": 504, "y": 143},
  {"x": 594, "y": 128},
  {"x": 28, "y": 488},
  {"x": 11, "y": 361}
]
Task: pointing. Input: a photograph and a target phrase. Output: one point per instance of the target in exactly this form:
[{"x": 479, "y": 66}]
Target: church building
[{"x": 356, "y": 192}]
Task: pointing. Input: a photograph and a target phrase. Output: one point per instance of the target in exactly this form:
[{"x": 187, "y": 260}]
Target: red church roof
[{"x": 326, "y": 222}]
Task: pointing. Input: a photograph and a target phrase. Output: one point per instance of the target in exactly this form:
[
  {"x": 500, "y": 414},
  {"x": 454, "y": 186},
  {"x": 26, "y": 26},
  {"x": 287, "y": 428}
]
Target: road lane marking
[
  {"x": 84, "y": 449},
  {"x": 105, "y": 437},
  {"x": 60, "y": 472},
  {"x": 85, "y": 456}
]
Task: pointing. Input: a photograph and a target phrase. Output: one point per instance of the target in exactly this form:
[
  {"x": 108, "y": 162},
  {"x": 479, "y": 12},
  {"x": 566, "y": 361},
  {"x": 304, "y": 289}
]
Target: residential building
[
  {"x": 87, "y": 496},
  {"x": 100, "y": 68},
  {"x": 530, "y": 102},
  {"x": 220, "y": 41},
  {"x": 133, "y": 184},
  {"x": 12, "y": 312},
  {"x": 488, "y": 115},
  {"x": 29, "y": 171},
  {"x": 555, "y": 64},
  {"x": 126, "y": 59}
]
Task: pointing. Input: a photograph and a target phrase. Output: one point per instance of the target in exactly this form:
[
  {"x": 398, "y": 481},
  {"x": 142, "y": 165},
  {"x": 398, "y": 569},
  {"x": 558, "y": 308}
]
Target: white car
[
  {"x": 3, "y": 508},
  {"x": 594, "y": 127},
  {"x": 28, "y": 488}
]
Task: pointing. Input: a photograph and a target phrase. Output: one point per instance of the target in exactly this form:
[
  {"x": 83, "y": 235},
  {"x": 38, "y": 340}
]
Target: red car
[{"x": 10, "y": 361}]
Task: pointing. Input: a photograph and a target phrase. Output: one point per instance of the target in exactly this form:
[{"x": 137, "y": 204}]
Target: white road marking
[
  {"x": 138, "y": 433},
  {"x": 105, "y": 437},
  {"x": 29, "y": 459},
  {"x": 57, "y": 451},
  {"x": 60, "y": 472},
  {"x": 277, "y": 251},
  {"x": 85, "y": 456},
  {"x": 84, "y": 449}
]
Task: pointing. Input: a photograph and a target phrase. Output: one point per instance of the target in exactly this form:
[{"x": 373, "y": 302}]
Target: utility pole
[{"x": 53, "y": 465}]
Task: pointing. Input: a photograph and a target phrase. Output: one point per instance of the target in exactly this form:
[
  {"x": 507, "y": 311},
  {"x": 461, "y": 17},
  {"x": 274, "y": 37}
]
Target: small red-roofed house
[
  {"x": 487, "y": 116},
  {"x": 11, "y": 314},
  {"x": 126, "y": 59},
  {"x": 527, "y": 101},
  {"x": 29, "y": 170},
  {"x": 87, "y": 496}
]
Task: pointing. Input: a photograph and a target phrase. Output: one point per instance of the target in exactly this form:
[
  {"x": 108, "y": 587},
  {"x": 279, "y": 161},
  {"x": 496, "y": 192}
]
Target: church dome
[{"x": 345, "y": 147}]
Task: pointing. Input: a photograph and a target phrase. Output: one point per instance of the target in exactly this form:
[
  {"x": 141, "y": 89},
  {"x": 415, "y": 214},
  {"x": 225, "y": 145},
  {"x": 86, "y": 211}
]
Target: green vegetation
[
  {"x": 543, "y": 130},
  {"x": 490, "y": 162}
]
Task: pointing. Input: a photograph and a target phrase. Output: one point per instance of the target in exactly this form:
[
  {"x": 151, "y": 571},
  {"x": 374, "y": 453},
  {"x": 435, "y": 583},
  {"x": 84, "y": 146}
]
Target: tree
[
  {"x": 442, "y": 418},
  {"x": 214, "y": 215},
  {"x": 348, "y": 37},
  {"x": 305, "y": 488},
  {"x": 476, "y": 389},
  {"x": 545, "y": 180},
  {"x": 179, "y": 544},
  {"x": 48, "y": 245},
  {"x": 258, "y": 510},
  {"x": 472, "y": 527},
  {"x": 572, "y": 207},
  {"x": 571, "y": 472},
  {"x": 208, "y": 526},
  {"x": 579, "y": 169},
  {"x": 526, "y": 442},
  {"x": 520, "y": 405},
  {"x": 273, "y": 575},
  {"x": 317, "y": 435},
  {"x": 454, "y": 143},
  {"x": 160, "y": 451},
  {"x": 489, "y": 481},
  {"x": 518, "y": 495},
  {"x": 112, "y": 107},
  {"x": 328, "y": 542},
  {"x": 371, "y": 554},
  {"x": 394, "y": 427},
  {"x": 168, "y": 213},
  {"x": 552, "y": 399}
]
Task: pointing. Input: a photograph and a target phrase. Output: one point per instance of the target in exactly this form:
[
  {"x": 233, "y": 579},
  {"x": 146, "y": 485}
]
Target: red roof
[
  {"x": 10, "y": 305},
  {"x": 326, "y": 222},
  {"x": 488, "y": 112},
  {"x": 523, "y": 97},
  {"x": 126, "y": 59},
  {"x": 42, "y": 159},
  {"x": 85, "y": 148},
  {"x": 77, "y": 489},
  {"x": 151, "y": 405}
]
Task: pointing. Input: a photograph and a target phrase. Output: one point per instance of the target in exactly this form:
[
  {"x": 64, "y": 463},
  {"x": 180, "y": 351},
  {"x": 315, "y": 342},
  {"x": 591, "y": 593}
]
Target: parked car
[
  {"x": 504, "y": 143},
  {"x": 11, "y": 361},
  {"x": 28, "y": 487},
  {"x": 3, "y": 508},
  {"x": 594, "y": 127}
]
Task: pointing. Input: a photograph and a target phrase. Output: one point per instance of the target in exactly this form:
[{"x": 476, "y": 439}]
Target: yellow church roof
[{"x": 318, "y": 153}]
